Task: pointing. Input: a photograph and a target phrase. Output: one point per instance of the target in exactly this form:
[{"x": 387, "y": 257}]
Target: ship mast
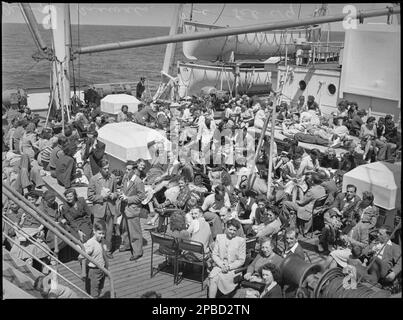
[{"x": 171, "y": 47}]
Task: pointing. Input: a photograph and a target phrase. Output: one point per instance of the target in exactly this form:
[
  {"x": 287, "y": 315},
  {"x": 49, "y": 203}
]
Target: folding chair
[
  {"x": 168, "y": 247},
  {"x": 318, "y": 207},
  {"x": 192, "y": 247}
]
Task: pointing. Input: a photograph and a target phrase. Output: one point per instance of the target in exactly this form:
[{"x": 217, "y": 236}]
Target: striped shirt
[{"x": 45, "y": 154}]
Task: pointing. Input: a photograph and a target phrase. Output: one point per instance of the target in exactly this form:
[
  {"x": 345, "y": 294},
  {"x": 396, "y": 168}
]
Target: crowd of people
[{"x": 212, "y": 202}]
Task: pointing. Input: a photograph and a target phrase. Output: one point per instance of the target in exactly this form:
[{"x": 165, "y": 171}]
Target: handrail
[
  {"x": 49, "y": 252},
  {"x": 29, "y": 237},
  {"x": 46, "y": 217},
  {"x": 41, "y": 262},
  {"x": 22, "y": 203}
]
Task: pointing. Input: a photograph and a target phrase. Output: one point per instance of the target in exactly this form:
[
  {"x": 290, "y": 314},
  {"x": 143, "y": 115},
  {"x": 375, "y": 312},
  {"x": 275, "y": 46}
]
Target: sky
[{"x": 160, "y": 14}]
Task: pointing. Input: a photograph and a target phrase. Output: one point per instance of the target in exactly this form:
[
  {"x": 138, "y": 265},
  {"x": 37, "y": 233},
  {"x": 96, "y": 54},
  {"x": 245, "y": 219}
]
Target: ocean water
[{"x": 21, "y": 71}]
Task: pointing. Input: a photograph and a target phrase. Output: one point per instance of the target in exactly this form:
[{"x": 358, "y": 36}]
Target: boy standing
[{"x": 95, "y": 248}]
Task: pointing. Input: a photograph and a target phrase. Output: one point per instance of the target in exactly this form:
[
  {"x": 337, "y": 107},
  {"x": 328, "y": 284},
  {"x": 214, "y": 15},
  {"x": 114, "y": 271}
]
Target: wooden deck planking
[{"x": 132, "y": 278}]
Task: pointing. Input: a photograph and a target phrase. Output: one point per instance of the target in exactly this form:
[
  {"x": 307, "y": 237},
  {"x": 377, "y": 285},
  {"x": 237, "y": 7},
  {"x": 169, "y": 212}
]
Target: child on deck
[{"x": 95, "y": 248}]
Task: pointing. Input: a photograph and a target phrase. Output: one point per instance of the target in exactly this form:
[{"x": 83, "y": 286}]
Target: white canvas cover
[
  {"x": 130, "y": 141},
  {"x": 383, "y": 179},
  {"x": 112, "y": 103}
]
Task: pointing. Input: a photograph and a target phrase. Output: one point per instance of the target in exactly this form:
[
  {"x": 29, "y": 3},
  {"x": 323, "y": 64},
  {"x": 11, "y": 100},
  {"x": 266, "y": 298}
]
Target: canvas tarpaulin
[
  {"x": 113, "y": 103},
  {"x": 383, "y": 179},
  {"x": 131, "y": 141}
]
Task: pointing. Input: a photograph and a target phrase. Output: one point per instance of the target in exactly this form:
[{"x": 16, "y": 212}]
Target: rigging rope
[
  {"x": 72, "y": 60},
  {"x": 219, "y": 14},
  {"x": 78, "y": 44}
]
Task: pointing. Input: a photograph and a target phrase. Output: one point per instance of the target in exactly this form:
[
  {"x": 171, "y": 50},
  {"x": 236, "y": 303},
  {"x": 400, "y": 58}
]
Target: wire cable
[{"x": 219, "y": 16}]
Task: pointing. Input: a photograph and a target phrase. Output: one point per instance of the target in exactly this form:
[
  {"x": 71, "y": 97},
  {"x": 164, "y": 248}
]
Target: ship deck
[{"x": 133, "y": 278}]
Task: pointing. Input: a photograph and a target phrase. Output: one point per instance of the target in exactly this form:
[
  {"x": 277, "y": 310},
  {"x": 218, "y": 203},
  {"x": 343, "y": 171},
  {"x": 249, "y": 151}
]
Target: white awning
[
  {"x": 113, "y": 103},
  {"x": 383, "y": 179},
  {"x": 130, "y": 141}
]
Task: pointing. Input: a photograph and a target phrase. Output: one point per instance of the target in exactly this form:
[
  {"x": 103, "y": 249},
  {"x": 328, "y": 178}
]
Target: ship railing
[
  {"x": 45, "y": 266},
  {"x": 52, "y": 254},
  {"x": 56, "y": 229}
]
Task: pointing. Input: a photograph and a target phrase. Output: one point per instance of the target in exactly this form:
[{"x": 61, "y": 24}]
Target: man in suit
[
  {"x": 304, "y": 207},
  {"x": 133, "y": 194},
  {"x": 344, "y": 203},
  {"x": 291, "y": 244},
  {"x": 229, "y": 253},
  {"x": 389, "y": 254},
  {"x": 94, "y": 151},
  {"x": 102, "y": 193}
]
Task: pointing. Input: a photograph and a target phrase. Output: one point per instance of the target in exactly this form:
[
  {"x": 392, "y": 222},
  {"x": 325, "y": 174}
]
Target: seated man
[
  {"x": 329, "y": 160},
  {"x": 303, "y": 207},
  {"x": 271, "y": 223},
  {"x": 367, "y": 210},
  {"x": 389, "y": 255},
  {"x": 246, "y": 210},
  {"x": 358, "y": 236},
  {"x": 56, "y": 153},
  {"x": 344, "y": 205},
  {"x": 225, "y": 216},
  {"x": 292, "y": 245},
  {"x": 211, "y": 207},
  {"x": 199, "y": 230},
  {"x": 266, "y": 255}
]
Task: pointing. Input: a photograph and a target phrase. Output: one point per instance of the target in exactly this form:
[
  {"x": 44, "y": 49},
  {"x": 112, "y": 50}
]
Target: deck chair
[
  {"x": 250, "y": 256},
  {"x": 190, "y": 249},
  {"x": 168, "y": 247},
  {"x": 318, "y": 208}
]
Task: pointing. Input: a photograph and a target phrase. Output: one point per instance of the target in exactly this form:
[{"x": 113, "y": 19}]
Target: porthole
[
  {"x": 302, "y": 85},
  {"x": 331, "y": 88}
]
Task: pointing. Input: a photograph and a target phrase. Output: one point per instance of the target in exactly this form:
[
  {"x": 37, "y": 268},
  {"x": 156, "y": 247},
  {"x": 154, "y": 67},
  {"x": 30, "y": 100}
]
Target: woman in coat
[
  {"x": 76, "y": 216},
  {"x": 229, "y": 253}
]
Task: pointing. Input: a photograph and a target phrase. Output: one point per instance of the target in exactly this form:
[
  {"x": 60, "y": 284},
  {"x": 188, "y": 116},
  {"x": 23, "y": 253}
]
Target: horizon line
[{"x": 106, "y": 25}]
